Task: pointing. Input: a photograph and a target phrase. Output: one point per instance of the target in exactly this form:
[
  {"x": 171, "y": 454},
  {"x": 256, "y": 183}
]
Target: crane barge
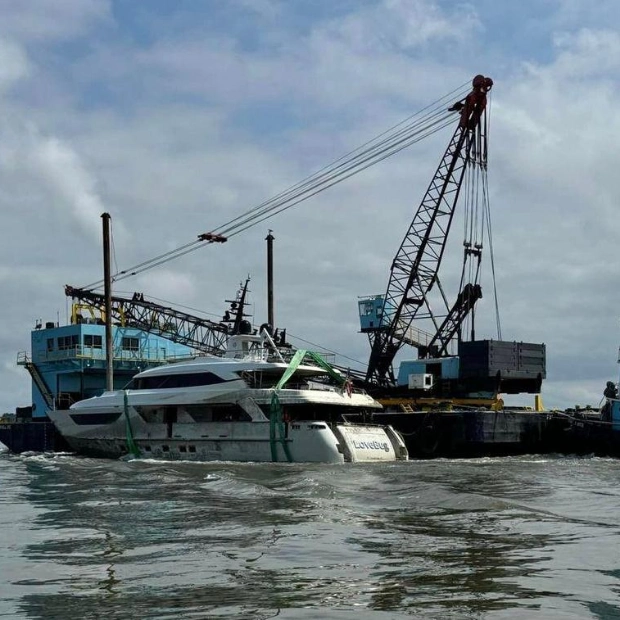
[
  {"x": 454, "y": 384},
  {"x": 394, "y": 319},
  {"x": 438, "y": 376}
]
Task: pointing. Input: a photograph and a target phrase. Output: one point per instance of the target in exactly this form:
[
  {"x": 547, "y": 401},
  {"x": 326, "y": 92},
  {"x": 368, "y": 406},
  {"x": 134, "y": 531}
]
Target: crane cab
[{"x": 373, "y": 314}]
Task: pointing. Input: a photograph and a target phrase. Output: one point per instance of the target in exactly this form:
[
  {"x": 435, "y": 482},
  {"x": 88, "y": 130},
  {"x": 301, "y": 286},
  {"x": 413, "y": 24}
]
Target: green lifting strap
[
  {"x": 276, "y": 422},
  {"x": 326, "y": 367},
  {"x": 298, "y": 358},
  {"x": 131, "y": 445}
]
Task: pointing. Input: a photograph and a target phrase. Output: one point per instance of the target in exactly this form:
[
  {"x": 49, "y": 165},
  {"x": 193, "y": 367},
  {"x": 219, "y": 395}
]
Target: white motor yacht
[{"x": 249, "y": 405}]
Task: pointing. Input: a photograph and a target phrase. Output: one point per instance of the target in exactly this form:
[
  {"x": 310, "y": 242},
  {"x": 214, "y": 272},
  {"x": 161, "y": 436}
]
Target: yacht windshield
[{"x": 262, "y": 379}]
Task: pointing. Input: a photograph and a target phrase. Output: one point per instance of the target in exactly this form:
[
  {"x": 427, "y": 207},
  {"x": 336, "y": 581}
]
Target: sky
[{"x": 175, "y": 116}]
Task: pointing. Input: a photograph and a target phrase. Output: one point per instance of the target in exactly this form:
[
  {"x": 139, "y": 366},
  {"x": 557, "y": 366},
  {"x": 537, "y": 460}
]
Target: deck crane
[
  {"x": 196, "y": 332},
  {"x": 388, "y": 319}
]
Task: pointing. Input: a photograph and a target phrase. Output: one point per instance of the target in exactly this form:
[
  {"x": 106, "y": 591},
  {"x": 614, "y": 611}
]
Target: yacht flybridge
[{"x": 249, "y": 405}]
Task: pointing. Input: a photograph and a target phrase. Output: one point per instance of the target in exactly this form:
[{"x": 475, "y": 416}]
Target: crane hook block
[
  {"x": 212, "y": 237},
  {"x": 474, "y": 104},
  {"x": 481, "y": 82}
]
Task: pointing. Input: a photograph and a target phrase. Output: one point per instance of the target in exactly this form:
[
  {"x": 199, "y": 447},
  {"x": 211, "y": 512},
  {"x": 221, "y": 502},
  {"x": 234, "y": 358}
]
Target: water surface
[{"x": 516, "y": 537}]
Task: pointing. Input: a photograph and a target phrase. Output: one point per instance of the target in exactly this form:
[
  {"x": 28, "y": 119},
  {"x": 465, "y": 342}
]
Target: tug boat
[{"x": 250, "y": 405}]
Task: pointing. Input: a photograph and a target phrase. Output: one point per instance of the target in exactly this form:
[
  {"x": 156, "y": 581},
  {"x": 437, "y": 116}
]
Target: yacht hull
[{"x": 300, "y": 441}]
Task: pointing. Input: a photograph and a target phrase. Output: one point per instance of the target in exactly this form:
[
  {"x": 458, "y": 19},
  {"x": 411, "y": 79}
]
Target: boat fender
[{"x": 428, "y": 437}]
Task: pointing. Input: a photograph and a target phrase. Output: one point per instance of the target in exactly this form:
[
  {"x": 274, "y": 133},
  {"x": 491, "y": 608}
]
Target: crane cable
[
  {"x": 252, "y": 221},
  {"x": 367, "y": 149},
  {"x": 293, "y": 196},
  {"x": 335, "y": 174},
  {"x": 429, "y": 120},
  {"x": 478, "y": 176},
  {"x": 477, "y": 217},
  {"x": 487, "y": 209}
]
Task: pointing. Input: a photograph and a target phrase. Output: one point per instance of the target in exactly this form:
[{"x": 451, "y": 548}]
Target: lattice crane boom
[
  {"x": 196, "y": 332},
  {"x": 415, "y": 267}
]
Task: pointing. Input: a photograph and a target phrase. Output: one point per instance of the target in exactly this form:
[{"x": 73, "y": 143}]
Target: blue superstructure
[
  {"x": 440, "y": 368},
  {"x": 68, "y": 363}
]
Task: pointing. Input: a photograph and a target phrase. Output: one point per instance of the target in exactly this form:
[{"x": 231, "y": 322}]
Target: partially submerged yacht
[{"x": 249, "y": 405}]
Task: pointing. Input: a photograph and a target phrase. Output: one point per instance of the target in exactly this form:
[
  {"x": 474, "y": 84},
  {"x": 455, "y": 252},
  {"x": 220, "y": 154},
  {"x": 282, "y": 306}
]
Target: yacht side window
[{"x": 193, "y": 379}]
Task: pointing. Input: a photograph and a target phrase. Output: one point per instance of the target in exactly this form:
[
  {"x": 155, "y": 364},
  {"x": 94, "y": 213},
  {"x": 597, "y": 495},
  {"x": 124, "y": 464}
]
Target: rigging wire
[
  {"x": 147, "y": 264},
  {"x": 288, "y": 206},
  {"x": 347, "y": 162},
  {"x": 330, "y": 351},
  {"x": 389, "y": 145},
  {"x": 113, "y": 249},
  {"x": 123, "y": 275},
  {"x": 428, "y": 121},
  {"x": 373, "y": 151},
  {"x": 487, "y": 208},
  {"x": 431, "y": 111},
  {"x": 492, "y": 257},
  {"x": 334, "y": 174},
  {"x": 474, "y": 220}
]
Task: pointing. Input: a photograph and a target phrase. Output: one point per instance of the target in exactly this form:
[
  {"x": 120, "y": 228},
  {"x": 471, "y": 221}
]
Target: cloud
[
  {"x": 382, "y": 50},
  {"x": 42, "y": 20},
  {"x": 405, "y": 25},
  {"x": 267, "y": 9},
  {"x": 14, "y": 64},
  {"x": 64, "y": 172},
  {"x": 167, "y": 284},
  {"x": 46, "y": 159},
  {"x": 55, "y": 173}
]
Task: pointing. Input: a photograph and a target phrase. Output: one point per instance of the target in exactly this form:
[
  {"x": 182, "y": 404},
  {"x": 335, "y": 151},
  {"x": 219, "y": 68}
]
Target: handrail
[{"x": 151, "y": 354}]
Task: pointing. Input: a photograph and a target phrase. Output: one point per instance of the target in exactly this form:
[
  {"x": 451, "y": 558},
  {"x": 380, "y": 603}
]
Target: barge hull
[
  {"x": 32, "y": 436},
  {"x": 471, "y": 433}
]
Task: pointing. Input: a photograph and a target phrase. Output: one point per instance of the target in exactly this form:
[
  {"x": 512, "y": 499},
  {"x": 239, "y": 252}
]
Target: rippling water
[{"x": 485, "y": 538}]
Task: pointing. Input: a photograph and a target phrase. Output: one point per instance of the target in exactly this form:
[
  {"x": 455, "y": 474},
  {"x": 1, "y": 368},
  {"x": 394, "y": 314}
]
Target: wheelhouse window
[
  {"x": 367, "y": 308},
  {"x": 50, "y": 344},
  {"x": 67, "y": 342},
  {"x": 94, "y": 342},
  {"x": 130, "y": 344}
]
